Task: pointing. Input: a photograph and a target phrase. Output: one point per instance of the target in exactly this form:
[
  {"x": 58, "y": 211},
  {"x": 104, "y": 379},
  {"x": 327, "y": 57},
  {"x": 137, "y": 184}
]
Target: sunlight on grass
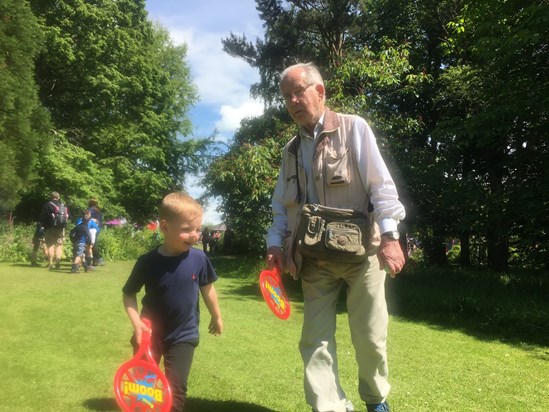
[{"x": 63, "y": 337}]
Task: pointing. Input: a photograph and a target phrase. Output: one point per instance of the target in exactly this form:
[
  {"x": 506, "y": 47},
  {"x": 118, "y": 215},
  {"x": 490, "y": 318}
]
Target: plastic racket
[
  {"x": 273, "y": 292},
  {"x": 139, "y": 384}
]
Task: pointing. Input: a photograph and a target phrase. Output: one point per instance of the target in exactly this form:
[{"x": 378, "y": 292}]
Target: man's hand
[
  {"x": 390, "y": 255},
  {"x": 274, "y": 258}
]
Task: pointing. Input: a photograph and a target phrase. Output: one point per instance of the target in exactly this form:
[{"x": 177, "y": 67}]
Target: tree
[
  {"x": 456, "y": 92},
  {"x": 23, "y": 121},
  {"x": 297, "y": 30},
  {"x": 245, "y": 177},
  {"x": 117, "y": 87},
  {"x": 503, "y": 54}
]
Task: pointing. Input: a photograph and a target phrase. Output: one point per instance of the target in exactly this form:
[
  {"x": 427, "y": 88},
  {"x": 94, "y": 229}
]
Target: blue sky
[{"x": 223, "y": 81}]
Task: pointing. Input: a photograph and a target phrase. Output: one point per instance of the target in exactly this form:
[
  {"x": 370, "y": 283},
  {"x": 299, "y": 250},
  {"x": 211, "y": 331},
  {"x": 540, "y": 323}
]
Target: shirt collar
[{"x": 318, "y": 128}]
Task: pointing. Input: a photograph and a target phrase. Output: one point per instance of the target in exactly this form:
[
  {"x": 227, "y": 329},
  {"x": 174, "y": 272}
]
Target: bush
[
  {"x": 15, "y": 242},
  {"x": 126, "y": 242},
  {"x": 454, "y": 254},
  {"x": 119, "y": 243}
]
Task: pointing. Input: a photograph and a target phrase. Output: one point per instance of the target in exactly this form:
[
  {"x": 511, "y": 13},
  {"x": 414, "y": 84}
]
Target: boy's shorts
[{"x": 78, "y": 249}]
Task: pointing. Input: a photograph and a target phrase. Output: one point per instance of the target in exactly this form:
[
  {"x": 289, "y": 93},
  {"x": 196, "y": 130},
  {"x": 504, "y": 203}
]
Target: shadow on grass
[
  {"x": 101, "y": 404},
  {"x": 192, "y": 405},
  {"x": 244, "y": 267},
  {"x": 513, "y": 307},
  {"x": 202, "y": 405},
  {"x": 510, "y": 307}
]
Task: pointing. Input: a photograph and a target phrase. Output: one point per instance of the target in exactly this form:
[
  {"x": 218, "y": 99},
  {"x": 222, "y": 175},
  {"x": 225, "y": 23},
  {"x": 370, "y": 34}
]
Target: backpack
[{"x": 60, "y": 215}]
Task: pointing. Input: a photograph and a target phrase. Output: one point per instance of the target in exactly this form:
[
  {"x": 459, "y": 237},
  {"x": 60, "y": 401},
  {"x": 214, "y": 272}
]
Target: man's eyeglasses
[{"x": 296, "y": 93}]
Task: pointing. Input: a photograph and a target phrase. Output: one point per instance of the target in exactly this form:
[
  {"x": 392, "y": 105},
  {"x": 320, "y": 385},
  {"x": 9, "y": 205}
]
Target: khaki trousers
[{"x": 368, "y": 321}]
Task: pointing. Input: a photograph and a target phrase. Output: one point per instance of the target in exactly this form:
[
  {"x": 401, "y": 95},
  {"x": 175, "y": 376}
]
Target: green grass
[{"x": 63, "y": 337}]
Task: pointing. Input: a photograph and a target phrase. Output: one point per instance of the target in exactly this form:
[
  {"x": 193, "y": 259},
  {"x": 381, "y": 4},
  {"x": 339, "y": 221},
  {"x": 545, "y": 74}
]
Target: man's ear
[{"x": 320, "y": 90}]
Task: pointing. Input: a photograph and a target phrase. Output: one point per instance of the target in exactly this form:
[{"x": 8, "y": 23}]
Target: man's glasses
[{"x": 296, "y": 93}]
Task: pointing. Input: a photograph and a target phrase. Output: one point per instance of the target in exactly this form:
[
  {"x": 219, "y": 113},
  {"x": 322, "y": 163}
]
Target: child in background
[
  {"x": 81, "y": 243},
  {"x": 173, "y": 276}
]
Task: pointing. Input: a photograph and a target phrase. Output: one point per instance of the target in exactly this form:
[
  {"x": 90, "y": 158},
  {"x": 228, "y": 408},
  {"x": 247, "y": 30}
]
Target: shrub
[
  {"x": 454, "y": 254},
  {"x": 126, "y": 242},
  {"x": 119, "y": 243}
]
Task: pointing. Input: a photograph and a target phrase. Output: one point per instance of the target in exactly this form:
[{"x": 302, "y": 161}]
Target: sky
[{"x": 223, "y": 82}]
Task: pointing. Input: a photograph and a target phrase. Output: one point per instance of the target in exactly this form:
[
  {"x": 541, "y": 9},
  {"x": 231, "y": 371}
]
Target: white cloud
[
  {"x": 223, "y": 81},
  {"x": 231, "y": 116}
]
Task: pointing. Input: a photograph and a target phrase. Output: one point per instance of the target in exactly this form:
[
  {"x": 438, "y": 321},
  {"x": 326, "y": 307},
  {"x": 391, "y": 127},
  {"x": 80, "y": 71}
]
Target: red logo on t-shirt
[{"x": 194, "y": 276}]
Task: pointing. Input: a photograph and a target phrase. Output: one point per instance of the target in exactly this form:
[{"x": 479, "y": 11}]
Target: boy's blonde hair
[{"x": 179, "y": 204}]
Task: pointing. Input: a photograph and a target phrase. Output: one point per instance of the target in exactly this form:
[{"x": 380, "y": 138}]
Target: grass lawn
[{"x": 63, "y": 337}]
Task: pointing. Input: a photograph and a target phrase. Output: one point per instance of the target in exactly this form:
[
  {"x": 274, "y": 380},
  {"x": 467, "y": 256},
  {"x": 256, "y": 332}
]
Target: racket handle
[{"x": 146, "y": 336}]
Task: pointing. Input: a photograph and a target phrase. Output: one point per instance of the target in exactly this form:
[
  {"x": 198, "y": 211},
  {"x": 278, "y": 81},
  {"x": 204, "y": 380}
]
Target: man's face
[{"x": 304, "y": 101}]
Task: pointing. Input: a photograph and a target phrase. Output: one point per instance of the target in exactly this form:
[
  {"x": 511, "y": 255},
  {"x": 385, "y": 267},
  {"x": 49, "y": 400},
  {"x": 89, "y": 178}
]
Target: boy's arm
[
  {"x": 210, "y": 299},
  {"x": 130, "y": 304}
]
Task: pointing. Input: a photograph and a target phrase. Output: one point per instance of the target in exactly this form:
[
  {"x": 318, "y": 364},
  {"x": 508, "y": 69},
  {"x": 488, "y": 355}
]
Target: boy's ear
[{"x": 163, "y": 224}]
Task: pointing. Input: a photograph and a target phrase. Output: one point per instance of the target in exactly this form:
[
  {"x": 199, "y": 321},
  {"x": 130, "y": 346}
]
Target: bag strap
[{"x": 298, "y": 144}]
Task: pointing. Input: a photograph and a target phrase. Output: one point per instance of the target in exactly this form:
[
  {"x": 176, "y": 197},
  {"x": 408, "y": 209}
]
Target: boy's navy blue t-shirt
[{"x": 172, "y": 288}]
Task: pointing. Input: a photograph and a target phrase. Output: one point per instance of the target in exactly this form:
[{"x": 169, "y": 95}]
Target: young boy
[
  {"x": 81, "y": 243},
  {"x": 173, "y": 275}
]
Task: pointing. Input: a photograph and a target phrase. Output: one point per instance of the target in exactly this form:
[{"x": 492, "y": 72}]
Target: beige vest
[{"x": 336, "y": 176}]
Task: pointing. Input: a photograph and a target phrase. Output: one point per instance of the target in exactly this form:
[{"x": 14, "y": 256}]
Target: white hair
[{"x": 312, "y": 74}]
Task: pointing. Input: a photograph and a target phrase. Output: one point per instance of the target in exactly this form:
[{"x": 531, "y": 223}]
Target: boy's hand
[
  {"x": 139, "y": 332},
  {"x": 216, "y": 326}
]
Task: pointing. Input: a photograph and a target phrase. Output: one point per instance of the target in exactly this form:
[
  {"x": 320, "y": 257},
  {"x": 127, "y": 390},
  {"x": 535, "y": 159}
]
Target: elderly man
[{"x": 334, "y": 161}]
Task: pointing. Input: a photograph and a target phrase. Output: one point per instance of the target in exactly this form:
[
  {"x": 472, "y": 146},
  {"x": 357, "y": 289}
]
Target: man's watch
[{"x": 393, "y": 234}]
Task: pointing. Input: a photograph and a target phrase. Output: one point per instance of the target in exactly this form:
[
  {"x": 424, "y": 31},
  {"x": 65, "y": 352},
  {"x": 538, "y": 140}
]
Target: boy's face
[{"x": 180, "y": 234}]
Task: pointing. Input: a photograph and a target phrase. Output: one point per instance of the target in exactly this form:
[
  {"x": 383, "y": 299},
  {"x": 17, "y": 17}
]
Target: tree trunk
[
  {"x": 465, "y": 255},
  {"x": 498, "y": 252}
]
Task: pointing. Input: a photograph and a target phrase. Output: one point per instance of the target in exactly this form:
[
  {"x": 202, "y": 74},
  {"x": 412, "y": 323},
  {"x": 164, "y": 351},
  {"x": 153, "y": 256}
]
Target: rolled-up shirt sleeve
[{"x": 377, "y": 180}]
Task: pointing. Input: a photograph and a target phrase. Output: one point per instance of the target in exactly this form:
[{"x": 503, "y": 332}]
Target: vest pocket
[
  {"x": 290, "y": 193},
  {"x": 337, "y": 169}
]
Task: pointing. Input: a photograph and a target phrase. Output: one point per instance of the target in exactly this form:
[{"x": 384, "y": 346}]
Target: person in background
[
  {"x": 94, "y": 231},
  {"x": 97, "y": 217},
  {"x": 38, "y": 243},
  {"x": 53, "y": 217},
  {"x": 334, "y": 161},
  {"x": 174, "y": 274},
  {"x": 81, "y": 243},
  {"x": 205, "y": 238}
]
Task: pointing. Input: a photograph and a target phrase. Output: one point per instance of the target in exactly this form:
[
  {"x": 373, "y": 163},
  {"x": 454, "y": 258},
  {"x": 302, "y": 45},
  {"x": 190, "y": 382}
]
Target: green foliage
[
  {"x": 454, "y": 254},
  {"x": 321, "y": 31},
  {"x": 126, "y": 242},
  {"x": 15, "y": 242},
  {"x": 245, "y": 177},
  {"x": 490, "y": 125},
  {"x": 117, "y": 243},
  {"x": 118, "y": 91},
  {"x": 23, "y": 120}
]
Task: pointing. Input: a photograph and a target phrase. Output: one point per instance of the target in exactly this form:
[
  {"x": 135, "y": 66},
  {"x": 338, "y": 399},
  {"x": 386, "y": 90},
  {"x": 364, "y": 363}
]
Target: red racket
[
  {"x": 274, "y": 293},
  {"x": 139, "y": 384}
]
